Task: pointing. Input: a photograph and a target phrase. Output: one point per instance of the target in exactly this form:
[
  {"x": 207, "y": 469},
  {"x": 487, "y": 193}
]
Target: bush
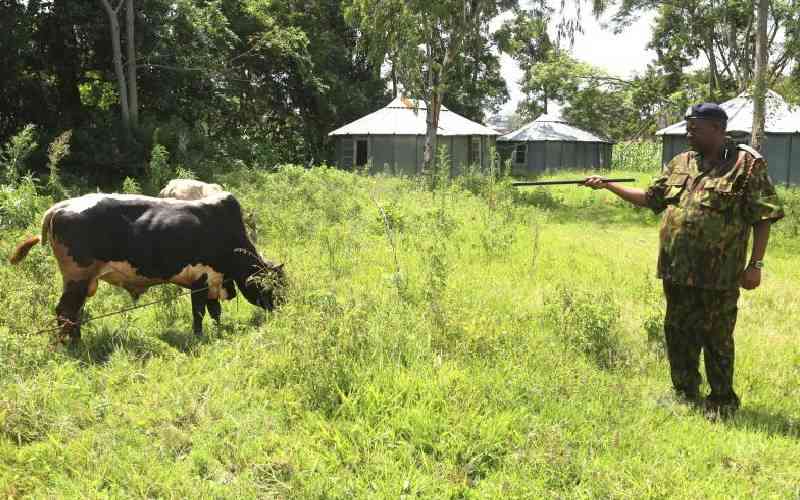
[
  {"x": 160, "y": 171},
  {"x": 130, "y": 186},
  {"x": 653, "y": 326},
  {"x": 789, "y": 227},
  {"x": 637, "y": 156},
  {"x": 14, "y": 153},
  {"x": 57, "y": 150},
  {"x": 587, "y": 322},
  {"x": 184, "y": 173},
  {"x": 21, "y": 205}
]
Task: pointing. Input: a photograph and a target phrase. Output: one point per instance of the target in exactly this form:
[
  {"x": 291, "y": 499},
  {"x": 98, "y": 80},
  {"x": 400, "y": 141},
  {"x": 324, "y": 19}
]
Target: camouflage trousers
[{"x": 701, "y": 319}]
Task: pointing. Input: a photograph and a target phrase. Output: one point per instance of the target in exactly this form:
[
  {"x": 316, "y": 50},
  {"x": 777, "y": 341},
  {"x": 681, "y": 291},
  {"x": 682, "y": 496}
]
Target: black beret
[{"x": 707, "y": 111}]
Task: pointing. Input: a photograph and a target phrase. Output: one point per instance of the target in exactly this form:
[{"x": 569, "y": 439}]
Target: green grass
[{"x": 459, "y": 344}]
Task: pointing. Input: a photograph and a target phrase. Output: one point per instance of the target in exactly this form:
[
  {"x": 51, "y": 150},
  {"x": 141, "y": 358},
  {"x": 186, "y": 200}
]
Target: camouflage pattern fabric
[
  {"x": 709, "y": 213},
  {"x": 704, "y": 319}
]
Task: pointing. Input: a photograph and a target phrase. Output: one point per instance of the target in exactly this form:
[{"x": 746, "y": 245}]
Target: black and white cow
[{"x": 135, "y": 242}]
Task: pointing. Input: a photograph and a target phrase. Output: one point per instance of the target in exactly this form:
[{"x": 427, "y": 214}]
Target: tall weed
[
  {"x": 586, "y": 320},
  {"x": 160, "y": 171},
  {"x": 14, "y": 153},
  {"x": 637, "y": 156},
  {"x": 21, "y": 204},
  {"x": 56, "y": 152}
]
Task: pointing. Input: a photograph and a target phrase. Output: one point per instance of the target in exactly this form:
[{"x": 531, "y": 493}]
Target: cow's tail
[{"x": 22, "y": 249}]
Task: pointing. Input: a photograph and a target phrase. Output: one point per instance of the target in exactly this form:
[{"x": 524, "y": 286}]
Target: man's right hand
[{"x": 595, "y": 182}]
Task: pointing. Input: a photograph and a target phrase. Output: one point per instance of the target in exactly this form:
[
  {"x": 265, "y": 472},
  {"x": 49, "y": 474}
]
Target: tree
[
  {"x": 720, "y": 32},
  {"x": 476, "y": 84},
  {"x": 424, "y": 40},
  {"x": 123, "y": 85},
  {"x": 66, "y": 64},
  {"x": 525, "y": 38},
  {"x": 133, "y": 89},
  {"x": 760, "y": 87}
]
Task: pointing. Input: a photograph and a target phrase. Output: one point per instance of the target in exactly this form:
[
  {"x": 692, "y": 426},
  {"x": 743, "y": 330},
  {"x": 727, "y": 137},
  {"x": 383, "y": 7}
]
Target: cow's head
[{"x": 267, "y": 286}]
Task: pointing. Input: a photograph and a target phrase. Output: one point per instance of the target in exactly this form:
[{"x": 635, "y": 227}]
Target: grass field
[{"x": 466, "y": 342}]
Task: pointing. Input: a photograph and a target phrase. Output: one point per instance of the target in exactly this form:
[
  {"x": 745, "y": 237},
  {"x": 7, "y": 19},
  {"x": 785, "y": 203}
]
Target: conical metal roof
[
  {"x": 781, "y": 118},
  {"x": 551, "y": 127},
  {"x": 405, "y": 116}
]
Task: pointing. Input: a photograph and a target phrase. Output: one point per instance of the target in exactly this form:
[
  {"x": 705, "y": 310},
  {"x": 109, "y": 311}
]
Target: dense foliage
[
  {"x": 705, "y": 51},
  {"x": 220, "y": 80},
  {"x": 264, "y": 81}
]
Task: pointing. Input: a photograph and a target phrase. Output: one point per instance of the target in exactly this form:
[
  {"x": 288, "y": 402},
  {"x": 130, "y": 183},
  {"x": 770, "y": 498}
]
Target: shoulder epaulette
[{"x": 747, "y": 148}]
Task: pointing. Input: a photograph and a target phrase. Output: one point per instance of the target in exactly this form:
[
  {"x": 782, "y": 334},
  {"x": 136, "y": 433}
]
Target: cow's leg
[
  {"x": 199, "y": 301},
  {"x": 214, "y": 309},
  {"x": 69, "y": 308},
  {"x": 230, "y": 289}
]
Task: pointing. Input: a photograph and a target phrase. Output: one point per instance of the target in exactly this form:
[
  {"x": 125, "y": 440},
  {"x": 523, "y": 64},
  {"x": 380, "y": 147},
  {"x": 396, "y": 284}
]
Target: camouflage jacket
[{"x": 706, "y": 228}]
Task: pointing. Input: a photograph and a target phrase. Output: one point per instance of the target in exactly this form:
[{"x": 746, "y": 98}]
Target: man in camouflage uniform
[{"x": 713, "y": 195}]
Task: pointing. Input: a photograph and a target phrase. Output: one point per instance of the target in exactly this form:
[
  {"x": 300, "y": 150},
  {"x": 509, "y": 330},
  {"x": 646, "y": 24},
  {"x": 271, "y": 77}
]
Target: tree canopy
[{"x": 264, "y": 81}]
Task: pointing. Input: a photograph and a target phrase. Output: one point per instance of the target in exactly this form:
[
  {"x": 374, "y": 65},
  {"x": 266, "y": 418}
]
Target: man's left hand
[{"x": 751, "y": 278}]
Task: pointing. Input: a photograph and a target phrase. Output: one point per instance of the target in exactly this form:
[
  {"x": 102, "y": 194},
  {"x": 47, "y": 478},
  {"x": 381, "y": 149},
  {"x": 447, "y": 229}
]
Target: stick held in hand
[{"x": 560, "y": 182}]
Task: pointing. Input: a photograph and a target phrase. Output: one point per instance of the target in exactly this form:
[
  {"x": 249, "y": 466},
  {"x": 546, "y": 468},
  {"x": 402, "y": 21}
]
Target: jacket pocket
[
  {"x": 676, "y": 184},
  {"x": 718, "y": 194}
]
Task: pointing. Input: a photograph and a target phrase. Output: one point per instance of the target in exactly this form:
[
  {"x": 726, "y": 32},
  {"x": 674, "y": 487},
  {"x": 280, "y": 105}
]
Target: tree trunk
[
  {"x": 431, "y": 127},
  {"x": 712, "y": 67},
  {"x": 394, "y": 77},
  {"x": 760, "y": 87},
  {"x": 133, "y": 89},
  {"x": 113, "y": 22},
  {"x": 431, "y": 118},
  {"x": 66, "y": 67},
  {"x": 544, "y": 100}
]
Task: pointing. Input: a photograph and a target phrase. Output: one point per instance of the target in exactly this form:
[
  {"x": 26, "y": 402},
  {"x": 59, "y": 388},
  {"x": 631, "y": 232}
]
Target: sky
[{"x": 622, "y": 55}]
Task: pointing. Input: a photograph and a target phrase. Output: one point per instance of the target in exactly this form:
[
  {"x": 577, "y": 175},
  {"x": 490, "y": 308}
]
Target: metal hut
[
  {"x": 393, "y": 139},
  {"x": 550, "y": 143},
  {"x": 782, "y": 130}
]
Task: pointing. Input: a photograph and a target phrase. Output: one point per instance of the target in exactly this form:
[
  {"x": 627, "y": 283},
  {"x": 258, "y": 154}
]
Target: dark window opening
[
  {"x": 519, "y": 153},
  {"x": 475, "y": 151},
  {"x": 361, "y": 152}
]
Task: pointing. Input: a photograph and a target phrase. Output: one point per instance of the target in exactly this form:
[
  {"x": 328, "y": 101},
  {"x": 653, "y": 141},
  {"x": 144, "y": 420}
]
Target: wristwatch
[{"x": 758, "y": 264}]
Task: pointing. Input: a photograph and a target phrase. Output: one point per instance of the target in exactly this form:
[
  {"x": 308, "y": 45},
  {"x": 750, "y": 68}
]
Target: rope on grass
[{"x": 67, "y": 322}]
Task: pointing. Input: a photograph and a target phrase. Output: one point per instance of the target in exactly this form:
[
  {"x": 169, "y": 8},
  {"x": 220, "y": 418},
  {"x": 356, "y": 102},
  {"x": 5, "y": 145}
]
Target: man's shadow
[{"x": 763, "y": 420}]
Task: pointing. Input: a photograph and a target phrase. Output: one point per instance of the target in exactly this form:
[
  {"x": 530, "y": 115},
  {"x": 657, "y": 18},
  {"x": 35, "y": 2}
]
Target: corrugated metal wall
[
  {"x": 782, "y": 152},
  {"x": 403, "y": 154},
  {"x": 557, "y": 155}
]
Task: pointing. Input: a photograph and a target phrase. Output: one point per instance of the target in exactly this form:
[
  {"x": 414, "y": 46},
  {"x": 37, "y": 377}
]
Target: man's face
[{"x": 702, "y": 133}]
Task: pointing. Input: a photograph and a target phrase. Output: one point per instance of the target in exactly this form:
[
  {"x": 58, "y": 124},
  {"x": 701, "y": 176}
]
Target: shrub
[
  {"x": 789, "y": 228},
  {"x": 184, "y": 173},
  {"x": 160, "y": 171},
  {"x": 57, "y": 150},
  {"x": 587, "y": 322},
  {"x": 653, "y": 326},
  {"x": 130, "y": 186},
  {"x": 20, "y": 205},
  {"x": 14, "y": 153},
  {"x": 637, "y": 156}
]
